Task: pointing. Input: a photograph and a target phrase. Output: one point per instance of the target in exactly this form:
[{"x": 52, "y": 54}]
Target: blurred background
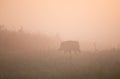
[{"x": 31, "y": 32}]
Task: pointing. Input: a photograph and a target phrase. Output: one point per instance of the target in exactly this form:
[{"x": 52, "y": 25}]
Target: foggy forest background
[
  {"x": 35, "y": 56},
  {"x": 31, "y": 32}
]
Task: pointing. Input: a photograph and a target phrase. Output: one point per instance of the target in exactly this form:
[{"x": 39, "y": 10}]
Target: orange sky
[{"x": 86, "y": 20}]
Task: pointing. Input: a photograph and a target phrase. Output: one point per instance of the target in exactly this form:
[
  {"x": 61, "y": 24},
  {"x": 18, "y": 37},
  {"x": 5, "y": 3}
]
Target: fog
[
  {"x": 84, "y": 20},
  {"x": 32, "y": 32}
]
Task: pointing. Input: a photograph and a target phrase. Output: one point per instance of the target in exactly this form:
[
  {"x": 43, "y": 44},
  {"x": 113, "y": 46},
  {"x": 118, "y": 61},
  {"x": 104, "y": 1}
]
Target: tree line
[{"x": 22, "y": 41}]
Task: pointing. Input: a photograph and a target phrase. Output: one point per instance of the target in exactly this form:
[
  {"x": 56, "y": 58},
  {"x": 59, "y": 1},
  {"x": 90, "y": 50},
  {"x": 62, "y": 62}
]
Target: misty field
[
  {"x": 59, "y": 65},
  {"x": 59, "y": 39},
  {"x": 28, "y": 56}
]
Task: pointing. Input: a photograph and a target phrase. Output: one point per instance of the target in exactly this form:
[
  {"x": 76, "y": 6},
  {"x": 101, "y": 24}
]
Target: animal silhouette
[{"x": 70, "y": 46}]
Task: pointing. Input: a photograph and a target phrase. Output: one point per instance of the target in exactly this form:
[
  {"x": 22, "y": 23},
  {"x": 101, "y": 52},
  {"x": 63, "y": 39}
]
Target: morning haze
[
  {"x": 78, "y": 19},
  {"x": 32, "y": 32}
]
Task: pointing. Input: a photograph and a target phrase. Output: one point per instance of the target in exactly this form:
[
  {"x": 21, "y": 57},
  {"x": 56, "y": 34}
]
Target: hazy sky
[{"x": 87, "y": 20}]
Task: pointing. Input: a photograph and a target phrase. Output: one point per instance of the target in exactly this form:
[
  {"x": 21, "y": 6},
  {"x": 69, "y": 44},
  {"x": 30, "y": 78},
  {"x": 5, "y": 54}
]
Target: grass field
[{"x": 59, "y": 65}]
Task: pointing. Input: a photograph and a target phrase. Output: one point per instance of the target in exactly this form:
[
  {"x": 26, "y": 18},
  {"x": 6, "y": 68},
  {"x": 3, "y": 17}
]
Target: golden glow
[{"x": 85, "y": 20}]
